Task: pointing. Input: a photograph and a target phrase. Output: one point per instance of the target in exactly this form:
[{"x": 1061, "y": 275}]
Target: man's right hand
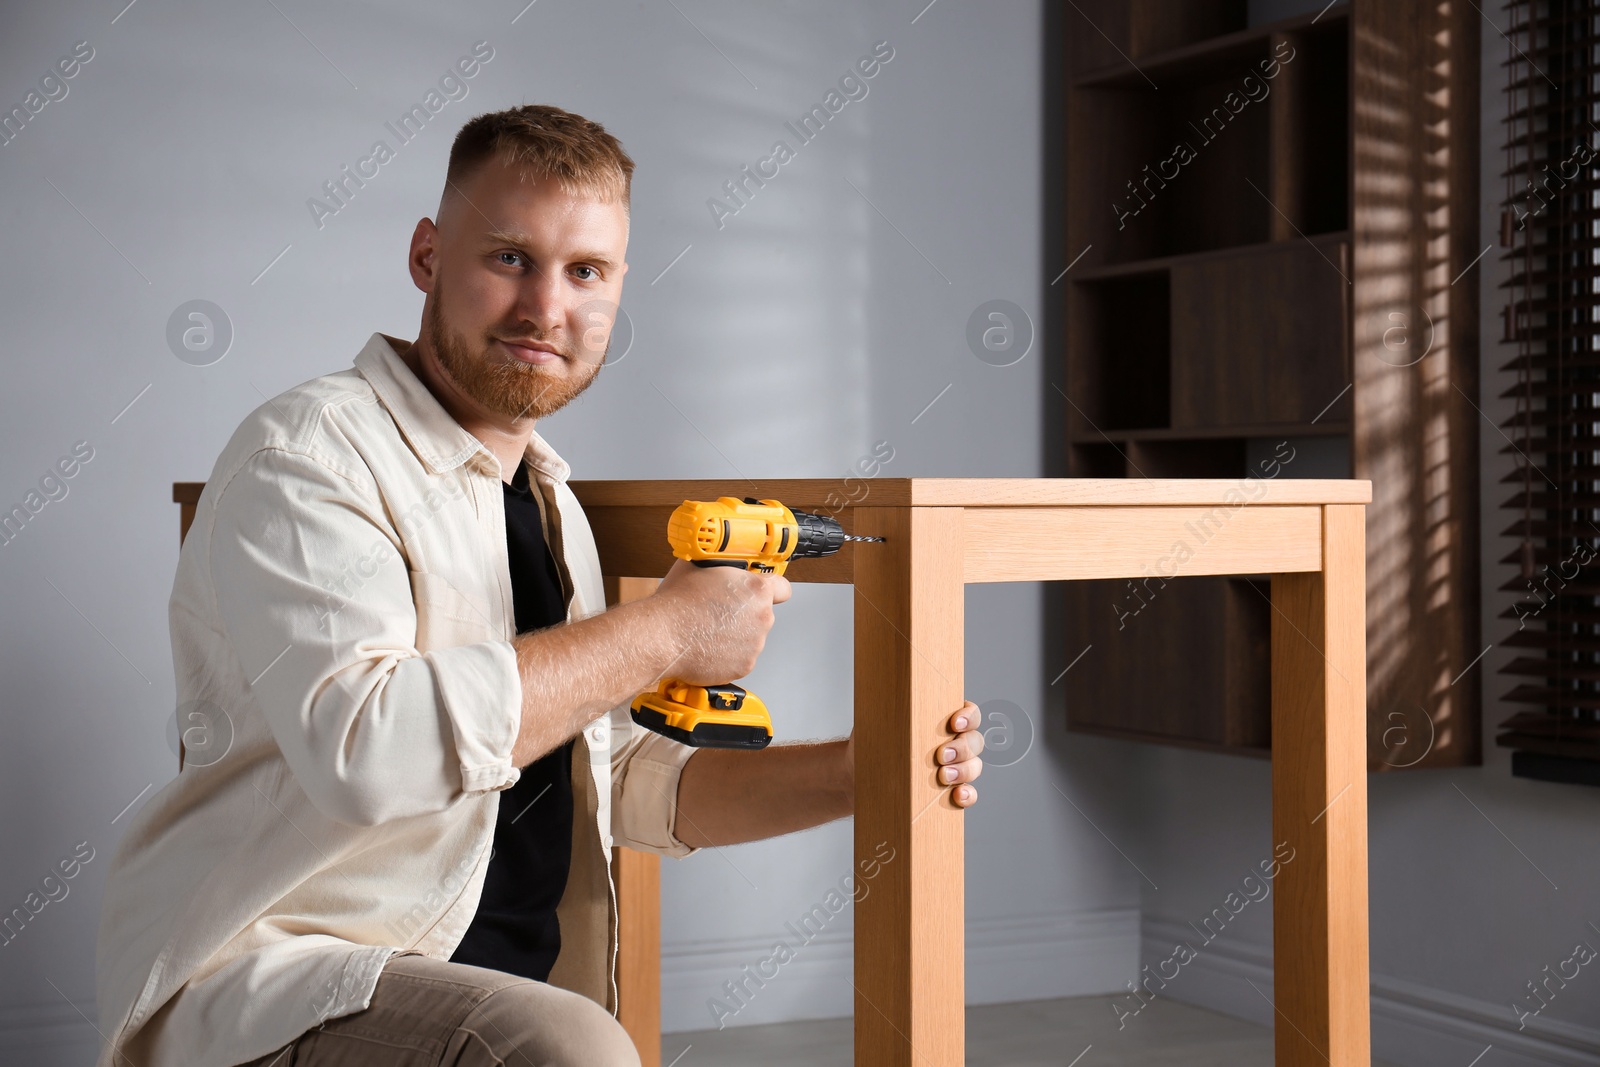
[
  {"x": 721, "y": 615},
  {"x": 701, "y": 625}
]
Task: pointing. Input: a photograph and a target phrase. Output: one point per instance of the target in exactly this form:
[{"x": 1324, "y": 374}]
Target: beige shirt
[{"x": 341, "y": 633}]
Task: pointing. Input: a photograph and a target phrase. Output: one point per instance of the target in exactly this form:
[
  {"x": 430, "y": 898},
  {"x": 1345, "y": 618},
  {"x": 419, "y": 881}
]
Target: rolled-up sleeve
[
  {"x": 321, "y": 608},
  {"x": 645, "y": 769}
]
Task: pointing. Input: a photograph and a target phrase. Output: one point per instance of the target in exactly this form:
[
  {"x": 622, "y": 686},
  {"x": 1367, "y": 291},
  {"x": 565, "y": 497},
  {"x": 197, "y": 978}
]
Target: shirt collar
[{"x": 439, "y": 441}]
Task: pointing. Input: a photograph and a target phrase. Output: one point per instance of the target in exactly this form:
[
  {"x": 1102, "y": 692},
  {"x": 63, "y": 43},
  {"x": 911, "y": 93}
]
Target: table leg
[
  {"x": 1319, "y": 803},
  {"x": 638, "y": 877},
  {"x": 909, "y": 950},
  {"x": 638, "y": 880}
]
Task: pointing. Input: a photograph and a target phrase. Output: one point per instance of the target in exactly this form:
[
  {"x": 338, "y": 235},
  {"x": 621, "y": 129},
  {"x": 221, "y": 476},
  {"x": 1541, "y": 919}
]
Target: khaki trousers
[{"x": 430, "y": 1013}]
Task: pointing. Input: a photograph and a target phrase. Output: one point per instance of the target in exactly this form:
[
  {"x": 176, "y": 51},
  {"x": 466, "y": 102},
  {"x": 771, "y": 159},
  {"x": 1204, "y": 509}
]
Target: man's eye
[
  {"x": 513, "y": 255},
  {"x": 591, "y": 276}
]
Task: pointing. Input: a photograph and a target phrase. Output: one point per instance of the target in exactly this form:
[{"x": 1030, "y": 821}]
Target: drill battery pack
[{"x": 705, "y": 716}]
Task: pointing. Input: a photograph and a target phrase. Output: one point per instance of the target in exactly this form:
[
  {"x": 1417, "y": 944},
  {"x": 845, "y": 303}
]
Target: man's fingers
[
  {"x": 962, "y": 747},
  {"x": 959, "y": 755},
  {"x": 969, "y": 712},
  {"x": 965, "y": 771}
]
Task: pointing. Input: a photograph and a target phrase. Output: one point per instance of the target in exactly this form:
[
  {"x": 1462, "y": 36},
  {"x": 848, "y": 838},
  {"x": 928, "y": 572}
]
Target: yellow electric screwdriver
[{"x": 758, "y": 535}]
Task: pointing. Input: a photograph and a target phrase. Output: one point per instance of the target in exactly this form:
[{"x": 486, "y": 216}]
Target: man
[{"x": 391, "y": 841}]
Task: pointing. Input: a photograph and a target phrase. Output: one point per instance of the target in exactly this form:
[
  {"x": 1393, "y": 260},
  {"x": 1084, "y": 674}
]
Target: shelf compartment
[
  {"x": 1098, "y": 459},
  {"x": 1220, "y": 155},
  {"x": 1182, "y": 51},
  {"x": 1215, "y": 458},
  {"x": 1102, "y": 36},
  {"x": 1259, "y": 337},
  {"x": 1168, "y": 172},
  {"x": 1309, "y": 153},
  {"x": 1124, "y": 384},
  {"x": 1182, "y": 661}
]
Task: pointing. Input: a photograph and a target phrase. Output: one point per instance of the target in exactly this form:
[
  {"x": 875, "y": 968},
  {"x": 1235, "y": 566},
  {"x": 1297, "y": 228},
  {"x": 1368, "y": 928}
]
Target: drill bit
[{"x": 861, "y": 537}]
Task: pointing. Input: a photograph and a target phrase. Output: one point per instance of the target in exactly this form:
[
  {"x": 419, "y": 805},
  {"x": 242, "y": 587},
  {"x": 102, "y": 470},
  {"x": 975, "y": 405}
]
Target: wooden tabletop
[
  {"x": 957, "y": 492},
  {"x": 982, "y": 492}
]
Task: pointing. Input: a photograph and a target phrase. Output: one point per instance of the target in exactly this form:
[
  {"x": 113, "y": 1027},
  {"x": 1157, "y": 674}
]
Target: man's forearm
[
  {"x": 574, "y": 672},
  {"x": 726, "y": 796}
]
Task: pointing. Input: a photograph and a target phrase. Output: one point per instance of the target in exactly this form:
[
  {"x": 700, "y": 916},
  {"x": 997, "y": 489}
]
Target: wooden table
[{"x": 943, "y": 533}]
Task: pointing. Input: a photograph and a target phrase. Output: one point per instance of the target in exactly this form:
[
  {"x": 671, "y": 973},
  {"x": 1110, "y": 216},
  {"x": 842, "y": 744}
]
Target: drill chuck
[{"x": 819, "y": 535}]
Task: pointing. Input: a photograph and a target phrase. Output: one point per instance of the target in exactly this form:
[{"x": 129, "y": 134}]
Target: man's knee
[{"x": 539, "y": 1025}]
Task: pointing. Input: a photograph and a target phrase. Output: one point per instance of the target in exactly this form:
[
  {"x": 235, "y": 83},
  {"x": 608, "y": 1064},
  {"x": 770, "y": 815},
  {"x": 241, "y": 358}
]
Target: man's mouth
[{"x": 536, "y": 352}]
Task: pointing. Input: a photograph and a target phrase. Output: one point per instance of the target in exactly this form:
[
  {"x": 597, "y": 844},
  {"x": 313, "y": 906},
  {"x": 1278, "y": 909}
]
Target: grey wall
[
  {"x": 820, "y": 319},
  {"x": 1478, "y": 881}
]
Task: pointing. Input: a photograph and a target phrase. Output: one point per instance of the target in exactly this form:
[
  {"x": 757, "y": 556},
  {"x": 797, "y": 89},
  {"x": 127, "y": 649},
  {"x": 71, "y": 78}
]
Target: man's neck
[{"x": 506, "y": 438}]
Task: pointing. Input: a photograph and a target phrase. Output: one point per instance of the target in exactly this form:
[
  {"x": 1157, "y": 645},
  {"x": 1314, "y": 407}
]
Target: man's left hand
[{"x": 957, "y": 758}]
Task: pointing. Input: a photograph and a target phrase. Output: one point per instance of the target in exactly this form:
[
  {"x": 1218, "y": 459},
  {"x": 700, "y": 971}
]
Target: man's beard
[{"x": 502, "y": 383}]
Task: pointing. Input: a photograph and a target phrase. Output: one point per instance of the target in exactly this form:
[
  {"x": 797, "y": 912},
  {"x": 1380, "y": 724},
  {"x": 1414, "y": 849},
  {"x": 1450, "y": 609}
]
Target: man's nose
[{"x": 540, "y": 302}]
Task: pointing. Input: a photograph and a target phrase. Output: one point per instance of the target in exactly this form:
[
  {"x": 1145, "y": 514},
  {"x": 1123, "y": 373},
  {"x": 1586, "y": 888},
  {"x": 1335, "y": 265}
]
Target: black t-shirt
[{"x": 515, "y": 928}]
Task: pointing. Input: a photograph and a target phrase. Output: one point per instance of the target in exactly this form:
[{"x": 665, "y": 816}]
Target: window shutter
[{"x": 1550, "y": 226}]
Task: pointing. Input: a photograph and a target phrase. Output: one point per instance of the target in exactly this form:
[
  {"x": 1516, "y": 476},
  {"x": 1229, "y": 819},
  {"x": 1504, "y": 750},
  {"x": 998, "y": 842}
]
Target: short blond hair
[{"x": 578, "y": 154}]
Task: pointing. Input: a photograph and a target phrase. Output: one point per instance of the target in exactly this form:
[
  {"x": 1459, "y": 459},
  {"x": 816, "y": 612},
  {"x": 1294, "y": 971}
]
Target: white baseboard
[
  {"x": 1030, "y": 957},
  {"x": 1413, "y": 1025}
]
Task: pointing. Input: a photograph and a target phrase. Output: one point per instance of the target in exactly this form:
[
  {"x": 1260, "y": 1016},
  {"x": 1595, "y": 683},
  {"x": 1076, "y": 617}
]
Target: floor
[{"x": 1036, "y": 1033}]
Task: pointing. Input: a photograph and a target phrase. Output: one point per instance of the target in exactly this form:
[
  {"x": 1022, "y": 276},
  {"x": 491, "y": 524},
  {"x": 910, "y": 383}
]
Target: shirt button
[
  {"x": 597, "y": 733},
  {"x": 608, "y": 841}
]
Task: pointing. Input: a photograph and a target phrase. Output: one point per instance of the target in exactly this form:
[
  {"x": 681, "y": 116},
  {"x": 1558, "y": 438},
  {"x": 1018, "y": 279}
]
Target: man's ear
[{"x": 422, "y": 258}]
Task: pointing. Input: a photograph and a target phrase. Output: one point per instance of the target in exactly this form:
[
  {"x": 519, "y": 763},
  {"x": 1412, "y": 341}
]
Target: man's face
[{"x": 523, "y": 282}]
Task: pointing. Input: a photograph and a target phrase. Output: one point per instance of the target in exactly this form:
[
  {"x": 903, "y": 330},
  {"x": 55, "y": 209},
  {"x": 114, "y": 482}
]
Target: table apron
[{"x": 1037, "y": 544}]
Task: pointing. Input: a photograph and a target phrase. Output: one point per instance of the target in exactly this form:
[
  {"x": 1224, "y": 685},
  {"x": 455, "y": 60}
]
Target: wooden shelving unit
[{"x": 1252, "y": 205}]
